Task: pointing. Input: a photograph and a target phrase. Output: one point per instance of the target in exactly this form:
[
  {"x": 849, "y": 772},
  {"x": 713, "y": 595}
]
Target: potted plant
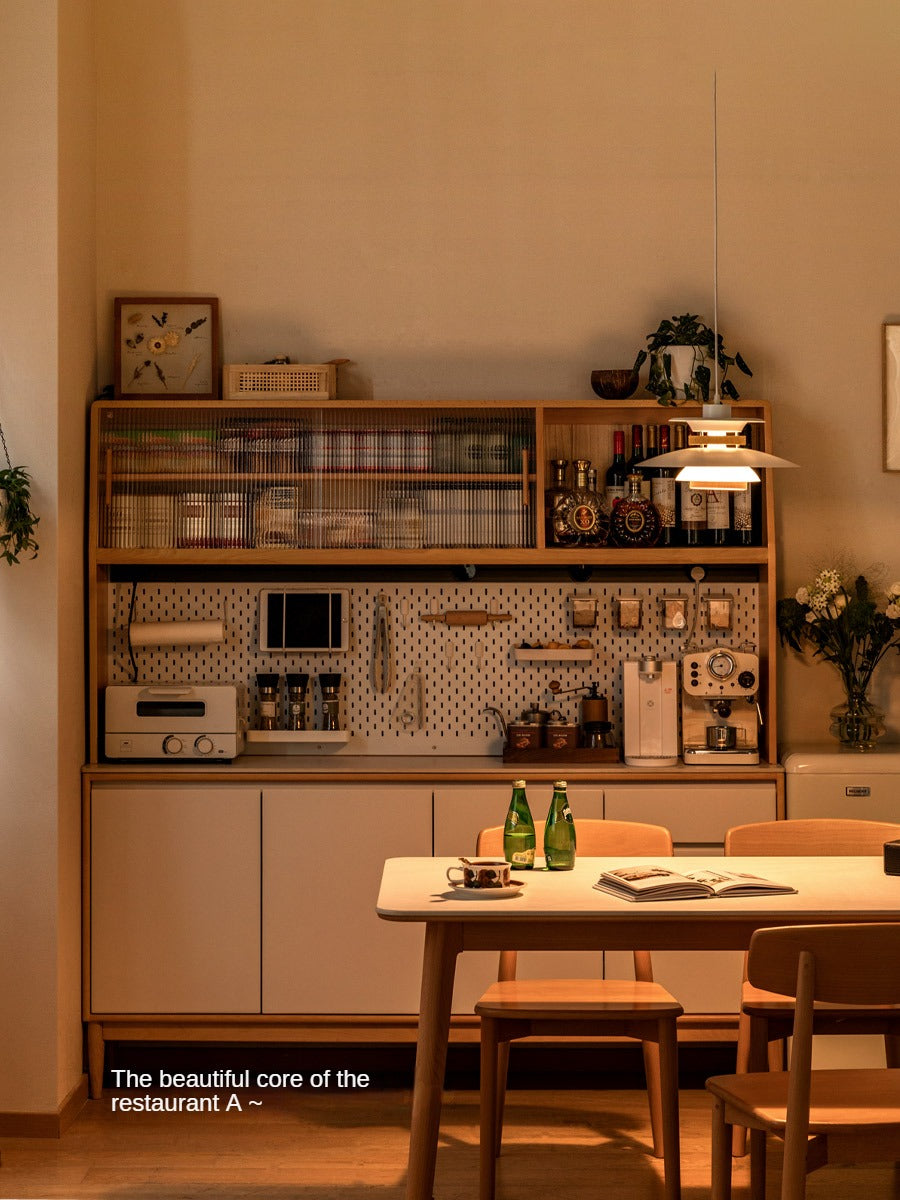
[
  {"x": 679, "y": 350},
  {"x": 17, "y": 521}
]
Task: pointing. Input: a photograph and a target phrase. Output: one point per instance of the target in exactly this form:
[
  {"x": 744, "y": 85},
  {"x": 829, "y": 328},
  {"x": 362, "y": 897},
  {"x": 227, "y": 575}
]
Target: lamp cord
[{"x": 717, "y": 400}]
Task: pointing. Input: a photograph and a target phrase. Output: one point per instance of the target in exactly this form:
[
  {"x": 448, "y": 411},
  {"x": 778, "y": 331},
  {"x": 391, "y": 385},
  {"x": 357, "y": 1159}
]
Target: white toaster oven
[{"x": 173, "y": 721}]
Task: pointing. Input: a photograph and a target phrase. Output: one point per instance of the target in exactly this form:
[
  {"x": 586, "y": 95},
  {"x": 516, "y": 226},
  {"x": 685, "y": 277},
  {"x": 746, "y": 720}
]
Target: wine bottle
[
  {"x": 635, "y": 463},
  {"x": 718, "y": 517},
  {"x": 663, "y": 493},
  {"x": 518, "y": 832},
  {"x": 744, "y": 522},
  {"x": 617, "y": 472},
  {"x": 650, "y": 473},
  {"x": 691, "y": 503},
  {"x": 559, "y": 831}
]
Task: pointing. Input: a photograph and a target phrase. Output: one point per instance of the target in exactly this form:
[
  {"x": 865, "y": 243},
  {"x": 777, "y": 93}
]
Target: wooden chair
[
  {"x": 823, "y": 1117},
  {"x": 766, "y": 1019},
  {"x": 639, "y": 1008}
]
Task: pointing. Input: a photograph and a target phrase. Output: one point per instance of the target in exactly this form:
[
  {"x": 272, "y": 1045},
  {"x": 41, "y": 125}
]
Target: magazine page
[
  {"x": 651, "y": 883},
  {"x": 737, "y": 883}
]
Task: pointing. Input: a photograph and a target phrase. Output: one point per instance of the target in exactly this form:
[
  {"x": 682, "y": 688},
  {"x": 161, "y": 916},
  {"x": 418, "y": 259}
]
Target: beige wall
[
  {"x": 490, "y": 199},
  {"x": 46, "y": 365}
]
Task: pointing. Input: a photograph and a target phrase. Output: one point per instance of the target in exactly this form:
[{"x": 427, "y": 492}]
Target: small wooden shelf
[
  {"x": 292, "y": 737},
  {"x": 562, "y": 655}
]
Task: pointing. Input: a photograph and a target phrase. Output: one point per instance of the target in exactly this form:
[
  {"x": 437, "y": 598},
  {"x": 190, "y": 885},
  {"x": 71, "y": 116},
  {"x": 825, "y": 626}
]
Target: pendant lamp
[{"x": 716, "y": 458}]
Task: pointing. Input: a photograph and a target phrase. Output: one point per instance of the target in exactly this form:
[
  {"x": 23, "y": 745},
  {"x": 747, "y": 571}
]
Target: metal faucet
[{"x": 501, "y": 720}]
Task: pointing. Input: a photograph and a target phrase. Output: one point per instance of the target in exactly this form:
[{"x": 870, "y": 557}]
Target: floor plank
[{"x": 342, "y": 1146}]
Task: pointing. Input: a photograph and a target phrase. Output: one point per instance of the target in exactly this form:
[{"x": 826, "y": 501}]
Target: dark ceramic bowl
[{"x": 614, "y": 385}]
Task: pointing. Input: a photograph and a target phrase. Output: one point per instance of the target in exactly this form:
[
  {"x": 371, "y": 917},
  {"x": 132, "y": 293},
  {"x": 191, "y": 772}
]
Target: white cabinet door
[
  {"x": 460, "y": 810},
  {"x": 325, "y": 950},
  {"x": 697, "y": 815},
  {"x": 175, "y": 899}
]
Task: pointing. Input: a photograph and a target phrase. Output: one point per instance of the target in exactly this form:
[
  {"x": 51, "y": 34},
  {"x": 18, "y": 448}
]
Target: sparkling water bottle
[
  {"x": 518, "y": 832},
  {"x": 559, "y": 832}
]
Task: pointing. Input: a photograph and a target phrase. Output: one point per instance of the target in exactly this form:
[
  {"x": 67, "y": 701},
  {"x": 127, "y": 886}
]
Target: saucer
[{"x": 459, "y": 892}]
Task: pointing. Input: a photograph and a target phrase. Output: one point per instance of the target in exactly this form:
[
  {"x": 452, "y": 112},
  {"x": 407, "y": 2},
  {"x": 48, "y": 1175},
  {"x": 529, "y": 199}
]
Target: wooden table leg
[
  {"x": 96, "y": 1050},
  {"x": 443, "y": 941}
]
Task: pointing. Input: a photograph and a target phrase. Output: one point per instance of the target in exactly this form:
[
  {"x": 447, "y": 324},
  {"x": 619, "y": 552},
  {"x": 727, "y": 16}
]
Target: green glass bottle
[
  {"x": 518, "y": 832},
  {"x": 559, "y": 832}
]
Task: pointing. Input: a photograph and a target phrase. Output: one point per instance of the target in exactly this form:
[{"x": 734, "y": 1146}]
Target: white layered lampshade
[{"x": 718, "y": 460}]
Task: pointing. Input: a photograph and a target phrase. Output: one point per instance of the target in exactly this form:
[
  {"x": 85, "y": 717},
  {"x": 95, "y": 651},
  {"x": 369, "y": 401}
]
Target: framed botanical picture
[
  {"x": 892, "y": 397},
  {"x": 166, "y": 348}
]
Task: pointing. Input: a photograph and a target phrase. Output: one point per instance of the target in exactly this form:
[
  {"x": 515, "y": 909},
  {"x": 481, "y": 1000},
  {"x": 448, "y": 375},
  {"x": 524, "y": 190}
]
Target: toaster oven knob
[
  {"x": 172, "y": 744},
  {"x": 203, "y": 745}
]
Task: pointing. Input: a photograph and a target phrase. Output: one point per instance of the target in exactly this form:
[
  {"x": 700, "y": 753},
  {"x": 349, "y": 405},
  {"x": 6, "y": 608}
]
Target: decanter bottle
[{"x": 635, "y": 520}]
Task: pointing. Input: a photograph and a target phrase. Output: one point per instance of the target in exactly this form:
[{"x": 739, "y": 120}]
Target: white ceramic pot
[{"x": 681, "y": 371}]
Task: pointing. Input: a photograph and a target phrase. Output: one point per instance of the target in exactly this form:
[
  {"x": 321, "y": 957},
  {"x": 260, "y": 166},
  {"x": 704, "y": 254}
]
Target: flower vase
[{"x": 857, "y": 724}]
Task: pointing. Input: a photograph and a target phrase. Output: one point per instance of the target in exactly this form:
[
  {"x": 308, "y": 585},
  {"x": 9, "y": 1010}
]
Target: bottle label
[
  {"x": 717, "y": 510},
  {"x": 664, "y": 499},
  {"x": 567, "y": 813},
  {"x": 513, "y": 819},
  {"x": 635, "y": 520},
  {"x": 743, "y": 517},
  {"x": 522, "y": 858},
  {"x": 582, "y": 518},
  {"x": 693, "y": 506}
]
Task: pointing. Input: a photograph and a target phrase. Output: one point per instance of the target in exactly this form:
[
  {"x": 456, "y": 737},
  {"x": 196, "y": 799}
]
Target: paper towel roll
[{"x": 176, "y": 633}]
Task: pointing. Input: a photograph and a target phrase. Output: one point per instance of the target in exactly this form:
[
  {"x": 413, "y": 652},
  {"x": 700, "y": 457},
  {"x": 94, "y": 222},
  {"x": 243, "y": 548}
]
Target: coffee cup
[{"x": 481, "y": 873}]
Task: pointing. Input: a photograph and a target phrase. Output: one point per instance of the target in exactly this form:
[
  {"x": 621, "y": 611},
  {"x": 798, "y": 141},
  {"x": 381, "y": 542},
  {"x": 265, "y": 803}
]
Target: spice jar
[{"x": 267, "y": 686}]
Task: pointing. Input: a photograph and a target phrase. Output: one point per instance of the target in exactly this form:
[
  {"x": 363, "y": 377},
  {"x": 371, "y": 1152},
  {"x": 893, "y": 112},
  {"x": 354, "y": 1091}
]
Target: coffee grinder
[{"x": 720, "y": 716}]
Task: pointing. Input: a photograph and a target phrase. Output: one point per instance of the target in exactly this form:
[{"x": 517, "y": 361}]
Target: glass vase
[{"x": 857, "y": 724}]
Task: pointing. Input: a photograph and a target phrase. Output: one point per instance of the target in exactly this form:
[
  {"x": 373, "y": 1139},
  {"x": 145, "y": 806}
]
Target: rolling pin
[{"x": 476, "y": 616}]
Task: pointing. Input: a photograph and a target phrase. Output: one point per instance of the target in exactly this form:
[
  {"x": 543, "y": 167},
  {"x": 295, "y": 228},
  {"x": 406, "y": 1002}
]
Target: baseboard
[{"x": 46, "y": 1124}]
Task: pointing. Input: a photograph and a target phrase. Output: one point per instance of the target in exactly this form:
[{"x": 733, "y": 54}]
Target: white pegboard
[{"x": 464, "y": 668}]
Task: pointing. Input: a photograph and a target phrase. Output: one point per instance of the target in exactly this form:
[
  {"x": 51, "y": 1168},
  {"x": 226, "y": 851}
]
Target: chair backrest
[
  {"x": 598, "y": 839},
  {"x": 816, "y": 836},
  {"x": 852, "y": 964}
]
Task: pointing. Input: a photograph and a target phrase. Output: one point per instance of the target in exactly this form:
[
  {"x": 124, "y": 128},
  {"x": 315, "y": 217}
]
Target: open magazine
[{"x": 662, "y": 883}]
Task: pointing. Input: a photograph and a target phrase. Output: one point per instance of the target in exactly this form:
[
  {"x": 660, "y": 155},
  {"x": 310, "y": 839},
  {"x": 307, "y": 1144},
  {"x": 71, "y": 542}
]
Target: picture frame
[
  {"x": 891, "y": 362},
  {"x": 166, "y": 348}
]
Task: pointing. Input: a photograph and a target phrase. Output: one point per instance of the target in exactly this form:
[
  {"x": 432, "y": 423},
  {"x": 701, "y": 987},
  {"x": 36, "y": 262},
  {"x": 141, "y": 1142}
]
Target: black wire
[{"x": 134, "y": 670}]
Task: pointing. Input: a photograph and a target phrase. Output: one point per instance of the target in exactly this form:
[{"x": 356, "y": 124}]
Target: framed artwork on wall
[
  {"x": 166, "y": 348},
  {"x": 891, "y": 397}
]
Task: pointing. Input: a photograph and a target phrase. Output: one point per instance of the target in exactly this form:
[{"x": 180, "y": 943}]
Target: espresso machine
[{"x": 720, "y": 717}]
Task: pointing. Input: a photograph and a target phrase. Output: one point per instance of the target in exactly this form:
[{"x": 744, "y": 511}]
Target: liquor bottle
[
  {"x": 558, "y": 532},
  {"x": 518, "y": 832},
  {"x": 617, "y": 472},
  {"x": 663, "y": 493},
  {"x": 634, "y": 463},
  {"x": 635, "y": 521},
  {"x": 559, "y": 832},
  {"x": 579, "y": 510},
  {"x": 718, "y": 517}
]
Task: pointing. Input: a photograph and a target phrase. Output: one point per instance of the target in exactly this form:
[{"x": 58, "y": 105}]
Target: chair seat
[
  {"x": 757, "y": 1002},
  {"x": 839, "y": 1100},
  {"x": 574, "y": 999}
]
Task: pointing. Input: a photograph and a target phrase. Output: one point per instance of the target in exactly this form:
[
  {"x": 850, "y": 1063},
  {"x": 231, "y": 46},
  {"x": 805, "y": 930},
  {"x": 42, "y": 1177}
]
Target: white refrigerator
[{"x": 822, "y": 781}]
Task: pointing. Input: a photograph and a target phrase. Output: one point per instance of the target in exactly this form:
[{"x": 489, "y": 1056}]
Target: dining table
[{"x": 562, "y": 910}]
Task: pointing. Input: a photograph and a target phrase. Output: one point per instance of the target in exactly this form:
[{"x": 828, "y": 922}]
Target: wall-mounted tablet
[{"x": 304, "y": 619}]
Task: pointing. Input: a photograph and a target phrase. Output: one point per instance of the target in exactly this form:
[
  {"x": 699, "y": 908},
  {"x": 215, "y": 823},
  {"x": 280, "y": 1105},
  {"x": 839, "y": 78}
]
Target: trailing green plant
[
  {"x": 17, "y": 521},
  {"x": 689, "y": 330}
]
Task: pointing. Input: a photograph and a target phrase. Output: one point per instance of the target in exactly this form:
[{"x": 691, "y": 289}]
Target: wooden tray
[{"x": 581, "y": 754}]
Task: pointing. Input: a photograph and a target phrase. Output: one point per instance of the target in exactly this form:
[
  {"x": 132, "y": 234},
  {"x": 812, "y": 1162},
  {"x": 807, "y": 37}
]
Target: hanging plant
[{"x": 17, "y": 521}]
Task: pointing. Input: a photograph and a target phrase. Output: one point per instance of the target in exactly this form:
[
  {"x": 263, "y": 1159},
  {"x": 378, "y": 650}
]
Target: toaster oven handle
[{"x": 174, "y": 690}]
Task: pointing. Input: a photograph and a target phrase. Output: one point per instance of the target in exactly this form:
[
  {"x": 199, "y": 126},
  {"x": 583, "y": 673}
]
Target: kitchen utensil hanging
[
  {"x": 382, "y": 654},
  {"x": 478, "y": 616}
]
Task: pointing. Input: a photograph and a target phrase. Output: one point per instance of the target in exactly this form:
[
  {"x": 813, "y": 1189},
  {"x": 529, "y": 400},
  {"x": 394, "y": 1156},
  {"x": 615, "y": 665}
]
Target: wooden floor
[{"x": 344, "y": 1146}]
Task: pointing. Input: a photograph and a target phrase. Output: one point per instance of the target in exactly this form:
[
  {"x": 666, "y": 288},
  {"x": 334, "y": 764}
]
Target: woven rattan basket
[{"x": 279, "y": 381}]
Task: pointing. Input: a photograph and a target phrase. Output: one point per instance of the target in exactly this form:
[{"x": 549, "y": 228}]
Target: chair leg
[
  {"x": 722, "y": 1134},
  {"x": 487, "y": 1149},
  {"x": 757, "y": 1164},
  {"x": 502, "y": 1073},
  {"x": 654, "y": 1098},
  {"x": 668, "y": 1087},
  {"x": 742, "y": 1066}
]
